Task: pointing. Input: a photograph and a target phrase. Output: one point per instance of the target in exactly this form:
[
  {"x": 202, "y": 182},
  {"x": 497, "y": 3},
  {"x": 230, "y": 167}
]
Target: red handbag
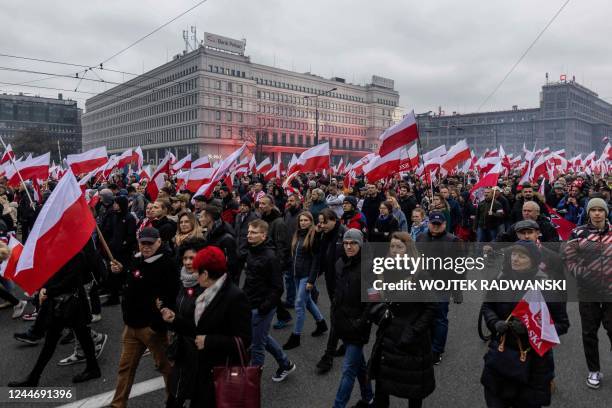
[{"x": 238, "y": 386}]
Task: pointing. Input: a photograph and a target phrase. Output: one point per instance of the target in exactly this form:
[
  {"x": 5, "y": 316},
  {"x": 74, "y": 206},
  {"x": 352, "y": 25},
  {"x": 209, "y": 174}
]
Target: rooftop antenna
[
  {"x": 186, "y": 39},
  {"x": 194, "y": 37}
]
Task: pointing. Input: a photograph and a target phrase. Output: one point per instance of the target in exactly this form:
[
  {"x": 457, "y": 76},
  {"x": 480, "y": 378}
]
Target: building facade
[
  {"x": 210, "y": 101},
  {"x": 56, "y": 119},
  {"x": 569, "y": 117}
]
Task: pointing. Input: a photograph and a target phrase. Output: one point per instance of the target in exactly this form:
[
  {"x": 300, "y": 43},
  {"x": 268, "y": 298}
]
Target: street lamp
[{"x": 316, "y": 140}]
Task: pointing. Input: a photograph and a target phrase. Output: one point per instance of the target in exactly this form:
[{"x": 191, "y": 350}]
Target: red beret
[{"x": 211, "y": 259}]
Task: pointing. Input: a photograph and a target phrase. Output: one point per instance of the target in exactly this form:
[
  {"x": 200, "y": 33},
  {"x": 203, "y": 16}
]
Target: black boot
[
  {"x": 325, "y": 364},
  {"x": 293, "y": 342},
  {"x": 88, "y": 374},
  {"x": 29, "y": 381},
  {"x": 321, "y": 329}
]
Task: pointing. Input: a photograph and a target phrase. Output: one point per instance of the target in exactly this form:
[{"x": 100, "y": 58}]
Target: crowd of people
[{"x": 202, "y": 281}]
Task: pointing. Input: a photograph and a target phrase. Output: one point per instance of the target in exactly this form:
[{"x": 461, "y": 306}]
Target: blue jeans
[
  {"x": 353, "y": 366},
  {"x": 487, "y": 234},
  {"x": 263, "y": 341},
  {"x": 290, "y": 287},
  {"x": 440, "y": 328},
  {"x": 304, "y": 301}
]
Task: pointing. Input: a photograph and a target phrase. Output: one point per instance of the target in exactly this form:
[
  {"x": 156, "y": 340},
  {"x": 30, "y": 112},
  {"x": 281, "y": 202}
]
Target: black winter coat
[
  {"x": 542, "y": 369},
  {"x": 156, "y": 277},
  {"x": 166, "y": 228},
  {"x": 241, "y": 227},
  {"x": 383, "y": 229},
  {"x": 228, "y": 316},
  {"x": 119, "y": 230},
  {"x": 277, "y": 235},
  {"x": 371, "y": 207},
  {"x": 349, "y": 313},
  {"x": 222, "y": 235},
  {"x": 263, "y": 284},
  {"x": 402, "y": 362}
]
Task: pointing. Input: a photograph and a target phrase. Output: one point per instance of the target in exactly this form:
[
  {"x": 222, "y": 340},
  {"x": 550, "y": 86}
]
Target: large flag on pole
[
  {"x": 61, "y": 230},
  {"x": 314, "y": 159},
  {"x": 82, "y": 163},
  {"x": 398, "y": 135}
]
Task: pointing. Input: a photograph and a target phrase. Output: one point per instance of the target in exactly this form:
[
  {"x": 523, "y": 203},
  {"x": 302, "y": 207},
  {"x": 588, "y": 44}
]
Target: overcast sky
[{"x": 440, "y": 52}]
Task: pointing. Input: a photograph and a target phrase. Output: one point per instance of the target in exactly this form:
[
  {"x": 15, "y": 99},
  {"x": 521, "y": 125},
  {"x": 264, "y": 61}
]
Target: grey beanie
[
  {"x": 354, "y": 235},
  {"x": 597, "y": 203}
]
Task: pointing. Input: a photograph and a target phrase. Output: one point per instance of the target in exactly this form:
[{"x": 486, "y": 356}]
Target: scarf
[
  {"x": 206, "y": 297},
  {"x": 189, "y": 279}
]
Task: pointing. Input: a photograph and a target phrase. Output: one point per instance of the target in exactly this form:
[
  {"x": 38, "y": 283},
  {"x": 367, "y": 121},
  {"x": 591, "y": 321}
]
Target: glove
[
  {"x": 518, "y": 327},
  {"x": 501, "y": 326}
]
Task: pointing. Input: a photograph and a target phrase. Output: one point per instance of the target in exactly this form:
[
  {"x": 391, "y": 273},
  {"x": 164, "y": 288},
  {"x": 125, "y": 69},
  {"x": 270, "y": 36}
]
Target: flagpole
[
  {"x": 59, "y": 151},
  {"x": 492, "y": 201},
  {"x": 19, "y": 174}
]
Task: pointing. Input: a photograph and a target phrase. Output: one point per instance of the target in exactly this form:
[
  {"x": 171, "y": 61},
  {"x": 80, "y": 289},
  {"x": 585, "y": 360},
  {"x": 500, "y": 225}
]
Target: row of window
[
  {"x": 155, "y": 137},
  {"x": 386, "y": 102},
  {"x": 38, "y": 112},
  {"x": 291, "y": 139},
  {"x": 226, "y": 71},
  {"x": 288, "y": 124},
  {"x": 229, "y": 86},
  {"x": 309, "y": 114},
  {"x": 229, "y": 116},
  {"x": 229, "y": 102},
  {"x": 322, "y": 104},
  {"x": 308, "y": 90}
]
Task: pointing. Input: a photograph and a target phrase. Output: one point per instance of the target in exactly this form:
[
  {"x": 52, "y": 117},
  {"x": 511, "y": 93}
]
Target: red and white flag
[
  {"x": 398, "y": 135},
  {"x": 139, "y": 157},
  {"x": 455, "y": 155},
  {"x": 409, "y": 158},
  {"x": 314, "y": 159},
  {"x": 358, "y": 165},
  {"x": 7, "y": 268},
  {"x": 85, "y": 162},
  {"x": 252, "y": 164},
  {"x": 242, "y": 168},
  {"x": 125, "y": 158},
  {"x": 201, "y": 163},
  {"x": 198, "y": 177},
  {"x": 488, "y": 180},
  {"x": 61, "y": 230},
  {"x": 220, "y": 172},
  {"x": 158, "y": 178},
  {"x": 383, "y": 167},
  {"x": 264, "y": 166},
  {"x": 8, "y": 155},
  {"x": 533, "y": 312},
  {"x": 31, "y": 168},
  {"x": 184, "y": 163}
]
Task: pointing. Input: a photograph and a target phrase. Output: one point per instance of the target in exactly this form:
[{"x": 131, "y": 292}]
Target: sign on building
[
  {"x": 224, "y": 43},
  {"x": 382, "y": 82}
]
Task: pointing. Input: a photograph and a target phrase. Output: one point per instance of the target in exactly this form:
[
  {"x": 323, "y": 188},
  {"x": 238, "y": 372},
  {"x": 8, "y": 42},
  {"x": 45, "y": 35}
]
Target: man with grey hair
[{"x": 531, "y": 211}]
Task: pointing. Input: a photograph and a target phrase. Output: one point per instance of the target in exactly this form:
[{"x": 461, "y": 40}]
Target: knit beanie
[
  {"x": 354, "y": 235},
  {"x": 597, "y": 203},
  {"x": 352, "y": 200}
]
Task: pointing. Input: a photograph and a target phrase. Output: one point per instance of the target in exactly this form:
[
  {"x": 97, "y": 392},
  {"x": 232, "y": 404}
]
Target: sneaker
[
  {"x": 99, "y": 343},
  {"x": 19, "y": 308},
  {"x": 95, "y": 318},
  {"x": 74, "y": 358},
  {"x": 325, "y": 364},
  {"x": 283, "y": 372},
  {"x": 30, "y": 317},
  {"x": 594, "y": 379},
  {"x": 437, "y": 358},
  {"x": 27, "y": 337},
  {"x": 147, "y": 352},
  {"x": 292, "y": 342},
  {"x": 281, "y": 324}
]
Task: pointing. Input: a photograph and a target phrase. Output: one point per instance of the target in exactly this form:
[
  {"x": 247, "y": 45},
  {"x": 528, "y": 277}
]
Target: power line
[
  {"x": 523, "y": 55},
  {"x": 47, "y": 87},
  {"x": 151, "y": 33}
]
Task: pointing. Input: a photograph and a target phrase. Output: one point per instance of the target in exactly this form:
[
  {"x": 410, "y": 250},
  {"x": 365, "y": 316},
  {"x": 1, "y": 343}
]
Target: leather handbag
[
  {"x": 507, "y": 362},
  {"x": 238, "y": 386}
]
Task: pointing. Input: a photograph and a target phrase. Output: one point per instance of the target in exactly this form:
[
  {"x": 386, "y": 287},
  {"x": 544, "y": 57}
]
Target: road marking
[{"x": 104, "y": 399}]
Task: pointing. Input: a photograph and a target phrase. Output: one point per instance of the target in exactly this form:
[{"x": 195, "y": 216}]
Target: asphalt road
[{"x": 458, "y": 377}]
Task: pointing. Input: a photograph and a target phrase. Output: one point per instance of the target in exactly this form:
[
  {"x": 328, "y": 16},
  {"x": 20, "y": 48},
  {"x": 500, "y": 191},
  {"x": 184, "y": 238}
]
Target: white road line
[{"x": 104, "y": 399}]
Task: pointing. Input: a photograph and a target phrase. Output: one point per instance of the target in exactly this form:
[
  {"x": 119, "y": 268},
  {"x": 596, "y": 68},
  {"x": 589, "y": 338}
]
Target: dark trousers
[
  {"x": 94, "y": 298},
  {"x": 381, "y": 400},
  {"x": 332, "y": 339},
  {"x": 83, "y": 335},
  {"x": 38, "y": 328},
  {"x": 6, "y": 295},
  {"x": 592, "y": 316}
]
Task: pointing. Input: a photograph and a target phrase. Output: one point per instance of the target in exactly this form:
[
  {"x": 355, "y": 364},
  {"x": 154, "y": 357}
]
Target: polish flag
[
  {"x": 181, "y": 179},
  {"x": 125, "y": 158},
  {"x": 455, "y": 155},
  {"x": 184, "y": 163},
  {"x": 607, "y": 152},
  {"x": 31, "y": 168},
  {"x": 242, "y": 168},
  {"x": 489, "y": 180},
  {"x": 382, "y": 167},
  {"x": 220, "y": 172},
  {"x": 7, "y": 268},
  {"x": 198, "y": 177},
  {"x": 341, "y": 167},
  {"x": 62, "y": 228},
  {"x": 105, "y": 170},
  {"x": 139, "y": 157},
  {"x": 93, "y": 200},
  {"x": 540, "y": 169},
  {"x": 533, "y": 312},
  {"x": 158, "y": 178},
  {"x": 264, "y": 166},
  {"x": 201, "y": 163},
  {"x": 85, "y": 162},
  {"x": 409, "y": 158},
  {"x": 398, "y": 135},
  {"x": 358, "y": 165},
  {"x": 492, "y": 153},
  {"x": 435, "y": 153},
  {"x": 145, "y": 173},
  {"x": 314, "y": 159},
  {"x": 252, "y": 164},
  {"x": 275, "y": 171},
  {"x": 289, "y": 189},
  {"x": 292, "y": 162},
  {"x": 8, "y": 155}
]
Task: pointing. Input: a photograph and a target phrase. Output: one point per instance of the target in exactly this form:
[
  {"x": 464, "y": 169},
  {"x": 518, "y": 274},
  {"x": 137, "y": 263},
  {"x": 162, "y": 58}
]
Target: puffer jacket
[
  {"x": 587, "y": 256},
  {"x": 349, "y": 313}
]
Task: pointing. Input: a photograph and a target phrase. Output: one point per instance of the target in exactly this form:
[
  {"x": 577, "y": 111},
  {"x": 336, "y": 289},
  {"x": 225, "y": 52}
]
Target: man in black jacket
[
  {"x": 371, "y": 203},
  {"x": 241, "y": 227},
  {"x": 407, "y": 201},
  {"x": 221, "y": 234},
  {"x": 350, "y": 321},
  {"x": 263, "y": 286},
  {"x": 152, "y": 275}
]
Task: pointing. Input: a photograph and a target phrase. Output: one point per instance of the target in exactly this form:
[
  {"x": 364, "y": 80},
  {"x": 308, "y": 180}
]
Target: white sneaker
[
  {"x": 95, "y": 318},
  {"x": 19, "y": 308},
  {"x": 594, "y": 379}
]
